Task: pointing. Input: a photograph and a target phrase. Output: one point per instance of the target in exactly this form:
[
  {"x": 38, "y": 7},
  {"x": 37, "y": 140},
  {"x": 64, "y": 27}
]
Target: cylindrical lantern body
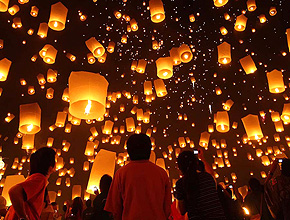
[
  {"x": 60, "y": 119},
  {"x": 275, "y": 81},
  {"x": 185, "y": 53},
  {"x": 174, "y": 54},
  {"x": 141, "y": 66},
  {"x": 224, "y": 53},
  {"x": 111, "y": 47},
  {"x": 51, "y": 76},
  {"x": 42, "y": 30},
  {"x": 133, "y": 25},
  {"x": 222, "y": 121},
  {"x": 160, "y": 88},
  {"x": 95, "y": 47},
  {"x": 4, "y": 5},
  {"x": 248, "y": 64},
  {"x": 164, "y": 67},
  {"x": 130, "y": 124},
  {"x": 286, "y": 113},
  {"x": 134, "y": 65},
  {"x": 156, "y": 11},
  {"x": 13, "y": 10},
  {"x": 90, "y": 149},
  {"x": 251, "y": 5},
  {"x": 34, "y": 11},
  {"x": 57, "y": 19},
  {"x": 252, "y": 127},
  {"x": 49, "y": 93},
  {"x": 28, "y": 142},
  {"x": 227, "y": 106},
  {"x": 50, "y": 55},
  {"x": 147, "y": 87},
  {"x": 76, "y": 191},
  {"x": 220, "y": 3},
  {"x": 204, "y": 139},
  {"x": 29, "y": 118},
  {"x": 87, "y": 93},
  {"x": 108, "y": 127},
  {"x": 241, "y": 23},
  {"x": 4, "y": 69}
]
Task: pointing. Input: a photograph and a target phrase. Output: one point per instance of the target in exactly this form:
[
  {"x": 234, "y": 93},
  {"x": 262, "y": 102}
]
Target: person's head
[
  {"x": 285, "y": 167},
  {"x": 105, "y": 183},
  {"x": 139, "y": 147},
  {"x": 77, "y": 206},
  {"x": 64, "y": 208},
  {"x": 89, "y": 203},
  {"x": 54, "y": 205},
  {"x": 42, "y": 161},
  {"x": 187, "y": 161},
  {"x": 255, "y": 185}
]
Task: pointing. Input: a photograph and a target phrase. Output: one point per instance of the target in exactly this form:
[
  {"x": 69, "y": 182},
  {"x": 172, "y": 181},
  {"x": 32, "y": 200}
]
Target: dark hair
[
  {"x": 285, "y": 167},
  {"x": 139, "y": 147},
  {"x": 77, "y": 206},
  {"x": 188, "y": 163},
  {"x": 88, "y": 203},
  {"x": 53, "y": 203},
  {"x": 41, "y": 160},
  {"x": 201, "y": 166},
  {"x": 64, "y": 208},
  {"x": 255, "y": 185},
  {"x": 105, "y": 183}
]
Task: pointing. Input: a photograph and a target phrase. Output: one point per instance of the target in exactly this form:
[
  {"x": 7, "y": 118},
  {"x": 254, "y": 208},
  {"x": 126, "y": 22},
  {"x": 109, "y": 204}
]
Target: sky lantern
[
  {"x": 90, "y": 148},
  {"x": 134, "y": 65},
  {"x": 50, "y": 55},
  {"x": 248, "y": 64},
  {"x": 43, "y": 51},
  {"x": 220, "y": 3},
  {"x": 4, "y": 69},
  {"x": 29, "y": 118},
  {"x": 251, "y": 5},
  {"x": 57, "y": 19},
  {"x": 222, "y": 121},
  {"x": 160, "y": 88},
  {"x": 273, "y": 11},
  {"x": 241, "y": 23},
  {"x": 4, "y": 5},
  {"x": 49, "y": 93},
  {"x": 34, "y": 11},
  {"x": 224, "y": 53},
  {"x": 191, "y": 18},
  {"x": 286, "y": 113},
  {"x": 140, "y": 114},
  {"x": 13, "y": 10},
  {"x": 275, "y": 81},
  {"x": 16, "y": 23},
  {"x": 23, "y": 1},
  {"x": 102, "y": 59},
  {"x": 124, "y": 39},
  {"x": 76, "y": 191},
  {"x": 228, "y": 104},
  {"x": 91, "y": 58},
  {"x": 174, "y": 54},
  {"x": 117, "y": 14},
  {"x": 156, "y": 11},
  {"x": 87, "y": 93},
  {"x": 111, "y": 47},
  {"x": 133, "y": 25},
  {"x": 42, "y": 30},
  {"x": 108, "y": 127},
  {"x": 185, "y": 53},
  {"x": 252, "y": 126},
  {"x": 104, "y": 163},
  {"x": 161, "y": 163},
  {"x": 265, "y": 160},
  {"x": 60, "y": 119},
  {"x": 59, "y": 163},
  {"x": 95, "y": 47},
  {"x": 1, "y": 44},
  {"x": 155, "y": 45},
  {"x": 279, "y": 126},
  {"x": 147, "y": 87},
  {"x": 164, "y": 67},
  {"x": 28, "y": 141},
  {"x": 204, "y": 139},
  {"x": 275, "y": 116},
  {"x": 223, "y": 30},
  {"x": 141, "y": 66},
  {"x": 41, "y": 79},
  {"x": 288, "y": 37},
  {"x": 130, "y": 124},
  {"x": 181, "y": 142},
  {"x": 262, "y": 18},
  {"x": 11, "y": 181}
]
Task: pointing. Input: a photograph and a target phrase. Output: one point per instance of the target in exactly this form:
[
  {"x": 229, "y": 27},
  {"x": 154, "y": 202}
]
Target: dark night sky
[{"x": 267, "y": 44}]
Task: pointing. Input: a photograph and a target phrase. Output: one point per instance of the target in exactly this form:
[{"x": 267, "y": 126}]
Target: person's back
[
  {"x": 88, "y": 213},
  {"x": 140, "y": 190}
]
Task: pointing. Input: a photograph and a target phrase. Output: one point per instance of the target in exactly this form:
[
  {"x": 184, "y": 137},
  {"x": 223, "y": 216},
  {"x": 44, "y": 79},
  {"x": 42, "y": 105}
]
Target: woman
[
  {"x": 196, "y": 191},
  {"x": 75, "y": 211}
]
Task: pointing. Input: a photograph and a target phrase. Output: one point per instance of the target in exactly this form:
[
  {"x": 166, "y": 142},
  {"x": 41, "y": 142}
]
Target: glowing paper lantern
[
  {"x": 220, "y": 3},
  {"x": 60, "y": 119},
  {"x": 275, "y": 116},
  {"x": 160, "y": 88},
  {"x": 156, "y": 11},
  {"x": 262, "y": 18},
  {"x": 191, "y": 18},
  {"x": 174, "y": 54},
  {"x": 251, "y": 5},
  {"x": 111, "y": 47},
  {"x": 164, "y": 67},
  {"x": 141, "y": 66},
  {"x": 1, "y": 44},
  {"x": 161, "y": 163},
  {"x": 286, "y": 113},
  {"x": 134, "y": 65},
  {"x": 241, "y": 23},
  {"x": 91, "y": 58},
  {"x": 41, "y": 79},
  {"x": 28, "y": 141},
  {"x": 273, "y": 11},
  {"x": 279, "y": 126},
  {"x": 52, "y": 196},
  {"x": 185, "y": 53},
  {"x": 227, "y": 106},
  {"x": 252, "y": 127},
  {"x": 222, "y": 121},
  {"x": 76, "y": 191},
  {"x": 104, "y": 163},
  {"x": 42, "y": 30},
  {"x": 71, "y": 57},
  {"x": 275, "y": 81},
  {"x": 130, "y": 124},
  {"x": 29, "y": 118},
  {"x": 155, "y": 45},
  {"x": 43, "y": 51},
  {"x": 11, "y": 181},
  {"x": 204, "y": 139},
  {"x": 13, "y": 10},
  {"x": 4, "y": 69},
  {"x": 59, "y": 163},
  {"x": 90, "y": 149},
  {"x": 50, "y": 55},
  {"x": 102, "y": 58},
  {"x": 108, "y": 127},
  {"x": 16, "y": 23},
  {"x": 223, "y": 30},
  {"x": 57, "y": 19},
  {"x": 134, "y": 25},
  {"x": 34, "y": 11},
  {"x": 147, "y": 87},
  {"x": 124, "y": 39},
  {"x": 288, "y": 37},
  {"x": 95, "y": 47},
  {"x": 265, "y": 160},
  {"x": 181, "y": 142},
  {"x": 224, "y": 53},
  {"x": 4, "y": 5},
  {"x": 87, "y": 93},
  {"x": 248, "y": 64},
  {"x": 49, "y": 93}
]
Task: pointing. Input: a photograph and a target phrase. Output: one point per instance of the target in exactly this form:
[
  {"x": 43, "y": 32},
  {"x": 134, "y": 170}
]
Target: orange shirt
[
  {"x": 34, "y": 187},
  {"x": 140, "y": 190}
]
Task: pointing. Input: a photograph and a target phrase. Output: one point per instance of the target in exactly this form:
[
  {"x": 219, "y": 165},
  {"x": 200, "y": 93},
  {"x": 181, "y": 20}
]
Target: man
[
  {"x": 277, "y": 191},
  {"x": 140, "y": 190},
  {"x": 27, "y": 198}
]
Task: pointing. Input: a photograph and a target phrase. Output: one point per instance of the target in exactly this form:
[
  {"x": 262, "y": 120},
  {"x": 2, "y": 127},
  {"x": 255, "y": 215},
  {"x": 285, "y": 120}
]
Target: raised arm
[
  {"x": 207, "y": 167},
  {"x": 272, "y": 170},
  {"x": 18, "y": 197}
]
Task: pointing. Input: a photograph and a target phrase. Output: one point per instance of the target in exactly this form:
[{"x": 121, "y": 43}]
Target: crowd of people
[{"x": 142, "y": 190}]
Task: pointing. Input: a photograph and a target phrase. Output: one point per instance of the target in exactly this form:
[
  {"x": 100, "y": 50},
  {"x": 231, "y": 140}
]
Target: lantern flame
[
  {"x": 88, "y": 107},
  {"x": 247, "y": 212},
  {"x": 276, "y": 90},
  {"x": 225, "y": 60},
  {"x": 29, "y": 128},
  {"x": 55, "y": 24}
]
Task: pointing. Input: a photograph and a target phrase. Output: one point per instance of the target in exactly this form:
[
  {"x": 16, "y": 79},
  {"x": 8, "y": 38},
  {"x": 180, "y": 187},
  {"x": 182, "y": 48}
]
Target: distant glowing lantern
[
  {"x": 288, "y": 37},
  {"x": 104, "y": 163},
  {"x": 224, "y": 53},
  {"x": 275, "y": 116},
  {"x": 160, "y": 88},
  {"x": 130, "y": 124},
  {"x": 117, "y": 14},
  {"x": 241, "y": 23},
  {"x": 275, "y": 81},
  {"x": 147, "y": 87},
  {"x": 223, "y": 30},
  {"x": 28, "y": 141},
  {"x": 273, "y": 11},
  {"x": 222, "y": 121},
  {"x": 141, "y": 66},
  {"x": 134, "y": 65},
  {"x": 95, "y": 47},
  {"x": 50, "y": 55},
  {"x": 91, "y": 58},
  {"x": 204, "y": 139},
  {"x": 34, "y": 11},
  {"x": 42, "y": 30},
  {"x": 57, "y": 19},
  {"x": 174, "y": 54},
  {"x": 227, "y": 106},
  {"x": 16, "y": 23},
  {"x": 11, "y": 181},
  {"x": 248, "y": 64},
  {"x": 227, "y": 16},
  {"x": 4, "y": 69},
  {"x": 185, "y": 53},
  {"x": 108, "y": 127},
  {"x": 252, "y": 127},
  {"x": 181, "y": 142},
  {"x": 191, "y": 18},
  {"x": 251, "y": 5},
  {"x": 60, "y": 119},
  {"x": 71, "y": 57},
  {"x": 262, "y": 18},
  {"x": 49, "y": 93},
  {"x": 90, "y": 149},
  {"x": 124, "y": 39},
  {"x": 220, "y": 3},
  {"x": 29, "y": 118},
  {"x": 156, "y": 11},
  {"x": 164, "y": 67},
  {"x": 76, "y": 191},
  {"x": 13, "y": 10},
  {"x": 111, "y": 47},
  {"x": 87, "y": 93},
  {"x": 133, "y": 25},
  {"x": 286, "y": 113},
  {"x": 41, "y": 79},
  {"x": 4, "y": 5}
]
